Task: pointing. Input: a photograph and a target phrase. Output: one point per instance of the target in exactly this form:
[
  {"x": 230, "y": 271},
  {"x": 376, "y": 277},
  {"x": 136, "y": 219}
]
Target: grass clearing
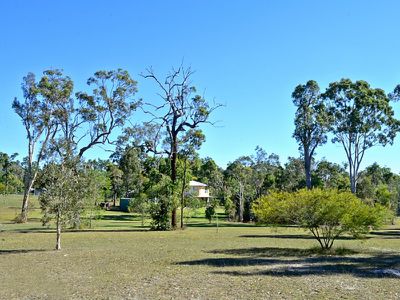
[{"x": 119, "y": 259}]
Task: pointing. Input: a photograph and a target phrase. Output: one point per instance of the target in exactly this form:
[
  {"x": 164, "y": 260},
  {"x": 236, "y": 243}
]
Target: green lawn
[{"x": 119, "y": 259}]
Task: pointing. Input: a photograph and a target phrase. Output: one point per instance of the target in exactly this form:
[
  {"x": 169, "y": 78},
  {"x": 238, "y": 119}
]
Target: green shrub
[
  {"x": 326, "y": 213},
  {"x": 210, "y": 212},
  {"x": 159, "y": 212}
]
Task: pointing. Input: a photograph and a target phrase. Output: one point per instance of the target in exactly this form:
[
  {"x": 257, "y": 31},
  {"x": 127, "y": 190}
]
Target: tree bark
[
  {"x": 173, "y": 179},
  {"x": 353, "y": 184},
  {"x": 58, "y": 244},
  {"x": 241, "y": 202},
  {"x": 25, "y": 199},
  {"x": 183, "y": 191},
  {"x": 307, "y": 168}
]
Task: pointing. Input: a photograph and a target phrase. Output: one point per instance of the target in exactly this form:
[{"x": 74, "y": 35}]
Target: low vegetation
[{"x": 327, "y": 214}]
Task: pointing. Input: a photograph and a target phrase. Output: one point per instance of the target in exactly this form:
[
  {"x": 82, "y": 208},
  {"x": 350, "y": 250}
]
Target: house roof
[{"x": 196, "y": 183}]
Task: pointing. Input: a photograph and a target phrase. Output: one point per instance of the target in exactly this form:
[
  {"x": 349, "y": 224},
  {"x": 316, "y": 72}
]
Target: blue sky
[{"x": 248, "y": 55}]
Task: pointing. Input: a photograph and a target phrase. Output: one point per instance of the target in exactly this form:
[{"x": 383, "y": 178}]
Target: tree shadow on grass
[
  {"x": 387, "y": 234},
  {"x": 222, "y": 225},
  {"x": 301, "y": 262},
  {"x": 290, "y": 236},
  {"x": 282, "y": 252},
  {"x": 120, "y": 217},
  {"x": 38, "y": 230},
  {"x": 21, "y": 251}
]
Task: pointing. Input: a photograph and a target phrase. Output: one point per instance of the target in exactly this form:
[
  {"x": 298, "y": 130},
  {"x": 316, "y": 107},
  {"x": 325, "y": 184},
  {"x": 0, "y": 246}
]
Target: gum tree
[
  {"x": 361, "y": 118},
  {"x": 36, "y": 113},
  {"x": 310, "y": 122}
]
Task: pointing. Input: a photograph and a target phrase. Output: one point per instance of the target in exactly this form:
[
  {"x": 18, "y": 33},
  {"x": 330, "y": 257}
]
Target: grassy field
[{"x": 119, "y": 259}]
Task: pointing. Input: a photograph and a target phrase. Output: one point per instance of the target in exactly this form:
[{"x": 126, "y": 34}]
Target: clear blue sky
[{"x": 248, "y": 55}]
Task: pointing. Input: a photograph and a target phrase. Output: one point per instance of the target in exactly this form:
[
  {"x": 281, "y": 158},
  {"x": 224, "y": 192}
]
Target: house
[{"x": 199, "y": 190}]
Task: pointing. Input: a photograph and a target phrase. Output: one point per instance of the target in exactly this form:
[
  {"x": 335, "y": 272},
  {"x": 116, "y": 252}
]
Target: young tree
[
  {"x": 178, "y": 112},
  {"x": 310, "y": 122},
  {"x": 36, "y": 113},
  {"x": 63, "y": 198},
  {"x": 361, "y": 117}
]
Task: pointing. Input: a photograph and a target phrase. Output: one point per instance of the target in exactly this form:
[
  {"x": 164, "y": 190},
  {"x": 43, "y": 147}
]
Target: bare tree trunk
[
  {"x": 58, "y": 244},
  {"x": 353, "y": 178},
  {"x": 307, "y": 168},
  {"x": 183, "y": 191},
  {"x": 25, "y": 199},
  {"x": 353, "y": 184},
  {"x": 173, "y": 178},
  {"x": 241, "y": 204}
]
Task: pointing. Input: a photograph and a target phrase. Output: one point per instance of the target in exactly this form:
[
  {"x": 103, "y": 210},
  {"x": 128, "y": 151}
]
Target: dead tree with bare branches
[{"x": 179, "y": 110}]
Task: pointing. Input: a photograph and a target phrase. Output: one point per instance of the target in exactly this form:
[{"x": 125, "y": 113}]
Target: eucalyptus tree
[
  {"x": 36, "y": 113},
  {"x": 238, "y": 176},
  {"x": 361, "y": 117},
  {"x": 178, "y": 111},
  {"x": 90, "y": 120},
  {"x": 311, "y": 123}
]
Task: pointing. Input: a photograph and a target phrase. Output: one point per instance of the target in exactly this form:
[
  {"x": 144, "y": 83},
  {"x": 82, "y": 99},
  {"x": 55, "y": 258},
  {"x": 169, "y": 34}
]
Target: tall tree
[
  {"x": 90, "y": 120},
  {"x": 310, "y": 121},
  {"x": 36, "y": 113},
  {"x": 178, "y": 112},
  {"x": 362, "y": 117}
]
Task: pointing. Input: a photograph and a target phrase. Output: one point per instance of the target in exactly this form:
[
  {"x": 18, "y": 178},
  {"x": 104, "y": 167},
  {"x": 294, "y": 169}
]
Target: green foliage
[
  {"x": 311, "y": 122},
  {"x": 326, "y": 213},
  {"x": 158, "y": 190},
  {"x": 159, "y": 211},
  {"x": 210, "y": 212},
  {"x": 379, "y": 185},
  {"x": 229, "y": 207},
  {"x": 360, "y": 118},
  {"x": 65, "y": 195},
  {"x": 140, "y": 204},
  {"x": 131, "y": 166},
  {"x": 330, "y": 175}
]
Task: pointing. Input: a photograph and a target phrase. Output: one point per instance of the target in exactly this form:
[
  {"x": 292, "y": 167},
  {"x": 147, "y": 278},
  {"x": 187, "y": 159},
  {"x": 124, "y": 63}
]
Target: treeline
[{"x": 135, "y": 174}]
